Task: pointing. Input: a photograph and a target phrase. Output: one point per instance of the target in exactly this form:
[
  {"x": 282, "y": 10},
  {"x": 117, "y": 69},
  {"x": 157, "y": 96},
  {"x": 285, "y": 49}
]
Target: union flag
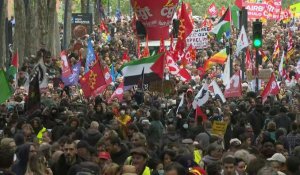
[{"x": 92, "y": 80}]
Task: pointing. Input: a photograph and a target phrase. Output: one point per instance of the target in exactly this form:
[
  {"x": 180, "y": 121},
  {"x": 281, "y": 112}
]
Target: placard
[
  {"x": 198, "y": 38},
  {"x": 219, "y": 128},
  {"x": 264, "y": 74},
  {"x": 81, "y": 24}
]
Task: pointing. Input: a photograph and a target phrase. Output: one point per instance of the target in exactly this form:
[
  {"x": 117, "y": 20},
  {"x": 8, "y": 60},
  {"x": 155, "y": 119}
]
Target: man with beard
[{"x": 68, "y": 159}]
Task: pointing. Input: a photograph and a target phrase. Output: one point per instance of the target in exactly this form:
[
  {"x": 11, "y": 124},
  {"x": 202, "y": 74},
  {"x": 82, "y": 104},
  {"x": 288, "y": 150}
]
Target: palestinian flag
[
  {"x": 223, "y": 25},
  {"x": 5, "y": 92},
  {"x": 13, "y": 69},
  {"x": 132, "y": 71}
]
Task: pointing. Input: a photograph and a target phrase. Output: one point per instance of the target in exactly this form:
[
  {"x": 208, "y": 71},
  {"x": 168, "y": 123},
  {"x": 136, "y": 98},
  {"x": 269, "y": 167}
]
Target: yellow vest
[
  {"x": 39, "y": 136},
  {"x": 147, "y": 171}
]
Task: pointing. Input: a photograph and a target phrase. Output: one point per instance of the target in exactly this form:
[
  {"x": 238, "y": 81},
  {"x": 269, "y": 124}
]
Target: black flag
[{"x": 34, "y": 95}]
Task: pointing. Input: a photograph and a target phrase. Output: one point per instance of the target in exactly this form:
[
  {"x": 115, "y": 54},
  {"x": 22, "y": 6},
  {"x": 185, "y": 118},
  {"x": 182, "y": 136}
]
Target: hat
[
  {"x": 104, "y": 155},
  {"x": 235, "y": 142},
  {"x": 277, "y": 157},
  {"x": 140, "y": 151},
  {"x": 83, "y": 144}
]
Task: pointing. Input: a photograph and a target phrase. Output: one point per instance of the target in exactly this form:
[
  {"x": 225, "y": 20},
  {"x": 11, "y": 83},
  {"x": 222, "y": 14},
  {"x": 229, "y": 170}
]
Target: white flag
[
  {"x": 202, "y": 97},
  {"x": 242, "y": 41},
  {"x": 280, "y": 68},
  {"x": 181, "y": 102},
  {"x": 217, "y": 90},
  {"x": 226, "y": 74}
]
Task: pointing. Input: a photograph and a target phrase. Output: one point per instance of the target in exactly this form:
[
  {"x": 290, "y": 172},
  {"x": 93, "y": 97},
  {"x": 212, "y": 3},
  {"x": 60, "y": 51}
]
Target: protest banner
[
  {"x": 219, "y": 128},
  {"x": 263, "y": 74},
  {"x": 198, "y": 38},
  {"x": 256, "y": 11}
]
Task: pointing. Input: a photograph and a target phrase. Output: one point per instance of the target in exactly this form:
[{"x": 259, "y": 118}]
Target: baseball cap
[
  {"x": 277, "y": 157},
  {"x": 104, "y": 155}
]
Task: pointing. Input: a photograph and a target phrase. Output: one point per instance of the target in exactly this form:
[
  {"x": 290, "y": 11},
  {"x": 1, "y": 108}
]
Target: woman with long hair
[{"x": 38, "y": 165}]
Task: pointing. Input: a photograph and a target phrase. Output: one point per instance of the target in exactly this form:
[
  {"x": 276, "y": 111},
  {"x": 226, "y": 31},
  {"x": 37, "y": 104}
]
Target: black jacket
[
  {"x": 61, "y": 167},
  {"x": 120, "y": 156}
]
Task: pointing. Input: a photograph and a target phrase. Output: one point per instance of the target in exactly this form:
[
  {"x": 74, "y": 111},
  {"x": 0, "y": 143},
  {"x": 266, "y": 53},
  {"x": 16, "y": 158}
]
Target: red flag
[
  {"x": 158, "y": 66},
  {"x": 212, "y": 10},
  {"x": 103, "y": 27},
  {"x": 15, "y": 60},
  {"x": 200, "y": 113},
  {"x": 119, "y": 92},
  {"x": 171, "y": 64},
  {"x": 239, "y": 3},
  {"x": 184, "y": 75},
  {"x": 107, "y": 75},
  {"x": 185, "y": 29},
  {"x": 162, "y": 46},
  {"x": 222, "y": 11},
  {"x": 146, "y": 51},
  {"x": 125, "y": 56},
  {"x": 234, "y": 88},
  {"x": 92, "y": 80},
  {"x": 276, "y": 48},
  {"x": 271, "y": 88},
  {"x": 65, "y": 68},
  {"x": 248, "y": 59},
  {"x": 138, "y": 48},
  {"x": 201, "y": 71}
]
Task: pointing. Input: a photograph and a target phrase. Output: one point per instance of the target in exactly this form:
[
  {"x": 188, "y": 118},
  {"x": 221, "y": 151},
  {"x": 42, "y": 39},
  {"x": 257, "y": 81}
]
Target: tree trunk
[
  {"x": 96, "y": 13},
  {"x": 31, "y": 38},
  {"x": 3, "y": 16},
  {"x": 67, "y": 25},
  {"x": 53, "y": 32},
  {"x": 42, "y": 23},
  {"x": 19, "y": 34},
  {"x": 83, "y": 6}
]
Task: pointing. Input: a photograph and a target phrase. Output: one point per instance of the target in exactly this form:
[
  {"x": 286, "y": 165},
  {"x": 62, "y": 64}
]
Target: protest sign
[
  {"x": 219, "y": 128},
  {"x": 198, "y": 38},
  {"x": 81, "y": 24},
  {"x": 263, "y": 74}
]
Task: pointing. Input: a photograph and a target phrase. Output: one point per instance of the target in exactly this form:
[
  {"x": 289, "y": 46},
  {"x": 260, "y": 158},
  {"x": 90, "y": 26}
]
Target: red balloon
[{"x": 156, "y": 16}]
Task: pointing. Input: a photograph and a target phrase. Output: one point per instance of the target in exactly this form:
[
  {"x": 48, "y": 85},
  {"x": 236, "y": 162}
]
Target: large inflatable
[{"x": 156, "y": 16}]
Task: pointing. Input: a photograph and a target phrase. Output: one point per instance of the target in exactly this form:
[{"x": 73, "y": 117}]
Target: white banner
[{"x": 198, "y": 38}]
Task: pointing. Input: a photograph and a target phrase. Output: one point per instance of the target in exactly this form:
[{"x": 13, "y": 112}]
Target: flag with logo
[
  {"x": 92, "y": 80},
  {"x": 242, "y": 41},
  {"x": 74, "y": 77},
  {"x": 171, "y": 64},
  {"x": 65, "y": 68},
  {"x": 5, "y": 91},
  {"x": 185, "y": 76},
  {"x": 90, "y": 57},
  {"x": 212, "y": 10},
  {"x": 216, "y": 90},
  {"x": 234, "y": 88},
  {"x": 202, "y": 96},
  {"x": 185, "y": 28},
  {"x": 119, "y": 92},
  {"x": 272, "y": 88}
]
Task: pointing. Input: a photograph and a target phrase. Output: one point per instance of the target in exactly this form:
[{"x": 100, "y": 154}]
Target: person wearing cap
[
  {"x": 139, "y": 158},
  {"x": 84, "y": 150},
  {"x": 104, "y": 160},
  {"x": 234, "y": 145},
  {"x": 278, "y": 161}
]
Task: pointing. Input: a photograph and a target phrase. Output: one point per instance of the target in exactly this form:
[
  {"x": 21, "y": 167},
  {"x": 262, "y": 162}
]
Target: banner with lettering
[{"x": 198, "y": 38}]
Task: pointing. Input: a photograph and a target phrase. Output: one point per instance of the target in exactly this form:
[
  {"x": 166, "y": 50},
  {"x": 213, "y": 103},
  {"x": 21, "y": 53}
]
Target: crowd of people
[{"x": 146, "y": 133}]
